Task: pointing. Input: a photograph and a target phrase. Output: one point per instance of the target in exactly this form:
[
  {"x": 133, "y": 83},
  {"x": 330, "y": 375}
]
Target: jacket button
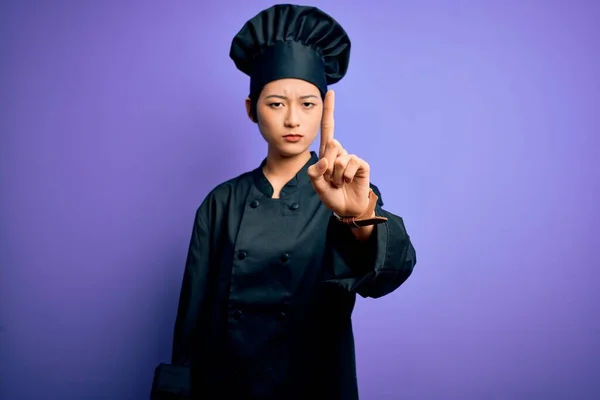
[
  {"x": 254, "y": 203},
  {"x": 242, "y": 254},
  {"x": 236, "y": 314},
  {"x": 285, "y": 257},
  {"x": 281, "y": 316},
  {"x": 294, "y": 206}
]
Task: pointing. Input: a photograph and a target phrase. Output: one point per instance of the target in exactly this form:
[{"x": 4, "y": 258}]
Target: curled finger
[
  {"x": 352, "y": 168},
  {"x": 340, "y": 165}
]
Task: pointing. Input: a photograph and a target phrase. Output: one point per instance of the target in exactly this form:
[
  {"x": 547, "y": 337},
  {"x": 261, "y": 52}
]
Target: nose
[{"x": 292, "y": 117}]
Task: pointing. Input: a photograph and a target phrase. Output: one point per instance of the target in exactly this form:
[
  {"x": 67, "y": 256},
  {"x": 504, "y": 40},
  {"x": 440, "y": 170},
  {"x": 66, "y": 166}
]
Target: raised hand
[{"x": 340, "y": 179}]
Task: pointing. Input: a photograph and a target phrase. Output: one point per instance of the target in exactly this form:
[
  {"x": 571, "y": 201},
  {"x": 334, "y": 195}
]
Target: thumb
[{"x": 316, "y": 171}]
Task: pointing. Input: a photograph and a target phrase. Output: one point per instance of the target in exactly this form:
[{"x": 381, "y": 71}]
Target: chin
[{"x": 291, "y": 150}]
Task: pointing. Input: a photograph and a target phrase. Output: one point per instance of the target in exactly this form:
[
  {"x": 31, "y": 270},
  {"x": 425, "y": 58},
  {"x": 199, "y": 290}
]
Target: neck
[{"x": 281, "y": 167}]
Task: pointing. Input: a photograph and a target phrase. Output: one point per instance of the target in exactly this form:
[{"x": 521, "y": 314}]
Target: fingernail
[{"x": 321, "y": 163}]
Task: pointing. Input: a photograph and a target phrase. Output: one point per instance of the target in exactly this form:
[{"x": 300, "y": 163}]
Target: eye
[
  {"x": 275, "y": 105},
  {"x": 309, "y": 105}
]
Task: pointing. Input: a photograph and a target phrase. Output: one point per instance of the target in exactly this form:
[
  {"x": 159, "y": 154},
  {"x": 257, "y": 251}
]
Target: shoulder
[
  {"x": 225, "y": 190},
  {"x": 222, "y": 195}
]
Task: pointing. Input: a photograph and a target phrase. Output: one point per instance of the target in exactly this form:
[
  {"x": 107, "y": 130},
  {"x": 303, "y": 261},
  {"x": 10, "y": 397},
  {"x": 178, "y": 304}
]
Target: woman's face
[{"x": 288, "y": 115}]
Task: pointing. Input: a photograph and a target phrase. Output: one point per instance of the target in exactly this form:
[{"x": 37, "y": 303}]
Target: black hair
[{"x": 254, "y": 107}]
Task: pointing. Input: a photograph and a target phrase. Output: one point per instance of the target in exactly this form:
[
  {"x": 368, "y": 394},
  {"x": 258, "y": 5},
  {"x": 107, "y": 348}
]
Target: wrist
[
  {"x": 369, "y": 214},
  {"x": 368, "y": 217}
]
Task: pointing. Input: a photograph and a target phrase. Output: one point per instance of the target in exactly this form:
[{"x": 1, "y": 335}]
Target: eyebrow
[{"x": 278, "y": 96}]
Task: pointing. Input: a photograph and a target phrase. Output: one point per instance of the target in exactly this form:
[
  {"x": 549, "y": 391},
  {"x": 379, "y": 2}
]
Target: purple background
[{"x": 480, "y": 120}]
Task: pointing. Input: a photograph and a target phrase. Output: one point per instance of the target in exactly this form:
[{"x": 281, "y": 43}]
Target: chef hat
[{"x": 291, "y": 41}]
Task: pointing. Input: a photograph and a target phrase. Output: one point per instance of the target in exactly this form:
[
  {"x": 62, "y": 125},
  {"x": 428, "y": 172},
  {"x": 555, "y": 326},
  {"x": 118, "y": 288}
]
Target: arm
[
  {"x": 371, "y": 261},
  {"x": 193, "y": 292}
]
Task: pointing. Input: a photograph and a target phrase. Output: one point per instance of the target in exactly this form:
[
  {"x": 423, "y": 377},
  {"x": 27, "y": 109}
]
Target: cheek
[{"x": 268, "y": 120}]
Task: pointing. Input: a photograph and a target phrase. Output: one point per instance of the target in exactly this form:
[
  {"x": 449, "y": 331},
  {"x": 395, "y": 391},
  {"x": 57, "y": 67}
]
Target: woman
[{"x": 278, "y": 254}]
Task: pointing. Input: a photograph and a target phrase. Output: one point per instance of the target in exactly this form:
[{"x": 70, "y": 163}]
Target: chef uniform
[{"x": 270, "y": 284}]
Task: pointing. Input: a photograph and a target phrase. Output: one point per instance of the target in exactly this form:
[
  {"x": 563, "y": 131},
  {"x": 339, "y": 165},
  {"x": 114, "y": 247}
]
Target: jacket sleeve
[
  {"x": 377, "y": 266},
  {"x": 193, "y": 292}
]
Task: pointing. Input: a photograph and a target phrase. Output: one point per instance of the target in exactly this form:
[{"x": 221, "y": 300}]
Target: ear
[{"x": 249, "y": 110}]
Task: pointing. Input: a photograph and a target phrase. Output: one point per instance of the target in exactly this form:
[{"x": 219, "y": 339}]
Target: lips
[{"x": 292, "y": 138}]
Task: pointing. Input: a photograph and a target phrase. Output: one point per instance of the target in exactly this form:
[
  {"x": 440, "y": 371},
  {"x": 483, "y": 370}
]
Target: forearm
[
  {"x": 188, "y": 312},
  {"x": 192, "y": 293},
  {"x": 393, "y": 260},
  {"x": 372, "y": 262}
]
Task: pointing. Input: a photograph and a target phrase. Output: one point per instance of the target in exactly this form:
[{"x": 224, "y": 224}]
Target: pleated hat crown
[{"x": 291, "y": 41}]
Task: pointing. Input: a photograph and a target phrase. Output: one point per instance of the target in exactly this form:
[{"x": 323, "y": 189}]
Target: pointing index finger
[{"x": 327, "y": 123}]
